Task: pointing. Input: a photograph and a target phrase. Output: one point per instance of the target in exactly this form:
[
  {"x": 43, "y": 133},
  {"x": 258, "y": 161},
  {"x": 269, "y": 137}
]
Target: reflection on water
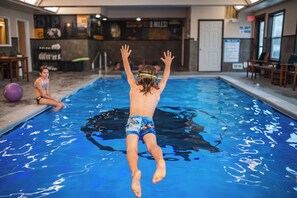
[{"x": 175, "y": 127}]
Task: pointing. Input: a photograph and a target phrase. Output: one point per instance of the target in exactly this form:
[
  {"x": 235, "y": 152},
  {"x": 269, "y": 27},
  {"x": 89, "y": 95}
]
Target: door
[
  {"x": 210, "y": 45},
  {"x": 24, "y": 40}
]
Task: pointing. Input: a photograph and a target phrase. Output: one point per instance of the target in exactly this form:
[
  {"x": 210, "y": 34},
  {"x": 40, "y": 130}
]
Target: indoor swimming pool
[{"x": 217, "y": 142}]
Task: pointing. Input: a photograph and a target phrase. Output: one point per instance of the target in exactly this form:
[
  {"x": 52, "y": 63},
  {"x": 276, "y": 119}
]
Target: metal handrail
[
  {"x": 100, "y": 62},
  {"x": 105, "y": 62},
  {"x": 93, "y": 62}
]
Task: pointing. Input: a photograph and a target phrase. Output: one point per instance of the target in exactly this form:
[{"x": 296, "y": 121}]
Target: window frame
[
  {"x": 269, "y": 35},
  {"x": 8, "y": 35},
  {"x": 295, "y": 47},
  {"x": 258, "y": 45}
]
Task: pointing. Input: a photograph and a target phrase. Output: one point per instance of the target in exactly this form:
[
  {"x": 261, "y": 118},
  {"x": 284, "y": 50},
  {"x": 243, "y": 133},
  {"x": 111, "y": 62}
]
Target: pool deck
[{"x": 63, "y": 84}]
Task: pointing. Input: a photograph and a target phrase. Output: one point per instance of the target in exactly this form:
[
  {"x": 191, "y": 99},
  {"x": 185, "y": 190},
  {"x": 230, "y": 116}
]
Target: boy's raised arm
[
  {"x": 125, "y": 51},
  {"x": 167, "y": 60}
]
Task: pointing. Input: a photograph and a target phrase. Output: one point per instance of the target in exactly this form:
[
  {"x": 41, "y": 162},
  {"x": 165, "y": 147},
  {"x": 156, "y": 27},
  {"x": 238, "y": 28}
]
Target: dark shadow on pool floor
[{"x": 174, "y": 126}]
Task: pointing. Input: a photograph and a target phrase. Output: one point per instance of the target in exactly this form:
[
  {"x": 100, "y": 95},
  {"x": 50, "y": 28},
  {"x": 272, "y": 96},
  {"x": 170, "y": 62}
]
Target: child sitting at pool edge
[
  {"x": 41, "y": 86},
  {"x": 144, "y": 97}
]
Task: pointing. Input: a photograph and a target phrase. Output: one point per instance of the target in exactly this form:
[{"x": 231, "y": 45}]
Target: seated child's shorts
[{"x": 140, "y": 126}]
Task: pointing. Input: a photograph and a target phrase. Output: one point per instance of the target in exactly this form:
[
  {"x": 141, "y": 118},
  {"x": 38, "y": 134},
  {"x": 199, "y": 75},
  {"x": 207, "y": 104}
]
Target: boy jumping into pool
[{"x": 144, "y": 97}]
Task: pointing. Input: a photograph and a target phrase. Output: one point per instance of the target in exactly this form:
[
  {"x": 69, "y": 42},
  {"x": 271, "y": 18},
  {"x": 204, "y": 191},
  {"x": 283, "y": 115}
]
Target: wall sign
[{"x": 231, "y": 50}]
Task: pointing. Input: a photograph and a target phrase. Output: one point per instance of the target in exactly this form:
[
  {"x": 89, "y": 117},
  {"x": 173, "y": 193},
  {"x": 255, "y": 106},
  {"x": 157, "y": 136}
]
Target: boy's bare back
[{"x": 143, "y": 105}]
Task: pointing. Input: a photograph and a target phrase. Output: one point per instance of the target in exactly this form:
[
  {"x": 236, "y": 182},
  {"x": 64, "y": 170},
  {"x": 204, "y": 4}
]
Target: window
[
  {"x": 260, "y": 28},
  {"x": 296, "y": 40},
  {"x": 276, "y": 22},
  {"x": 4, "y": 32}
]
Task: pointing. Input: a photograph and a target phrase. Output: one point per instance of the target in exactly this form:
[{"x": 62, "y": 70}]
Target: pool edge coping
[{"x": 285, "y": 108}]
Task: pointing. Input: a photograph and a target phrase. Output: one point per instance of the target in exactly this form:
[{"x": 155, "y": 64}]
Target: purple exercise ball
[{"x": 13, "y": 92}]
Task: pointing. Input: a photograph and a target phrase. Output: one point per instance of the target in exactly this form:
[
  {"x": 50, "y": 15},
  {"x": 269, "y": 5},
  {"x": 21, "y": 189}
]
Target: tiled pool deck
[{"x": 63, "y": 84}]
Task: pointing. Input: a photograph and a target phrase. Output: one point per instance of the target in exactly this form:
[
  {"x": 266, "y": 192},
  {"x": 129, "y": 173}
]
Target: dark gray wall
[
  {"x": 11, "y": 50},
  {"x": 148, "y": 50}
]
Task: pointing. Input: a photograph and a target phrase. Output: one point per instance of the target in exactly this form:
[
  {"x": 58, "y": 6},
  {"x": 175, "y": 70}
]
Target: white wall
[
  {"x": 290, "y": 16},
  {"x": 13, "y": 15},
  {"x": 231, "y": 29}
]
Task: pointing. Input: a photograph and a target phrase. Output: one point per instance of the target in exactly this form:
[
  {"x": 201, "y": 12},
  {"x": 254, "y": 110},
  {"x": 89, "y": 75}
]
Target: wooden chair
[
  {"x": 265, "y": 66},
  {"x": 290, "y": 70},
  {"x": 295, "y": 77},
  {"x": 251, "y": 64},
  {"x": 5, "y": 69}
]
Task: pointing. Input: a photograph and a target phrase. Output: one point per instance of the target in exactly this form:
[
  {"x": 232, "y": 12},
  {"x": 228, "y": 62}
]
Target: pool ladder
[{"x": 99, "y": 57}]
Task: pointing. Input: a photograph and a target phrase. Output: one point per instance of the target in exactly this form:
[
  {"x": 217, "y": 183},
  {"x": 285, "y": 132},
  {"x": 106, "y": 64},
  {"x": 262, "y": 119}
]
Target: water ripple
[
  {"x": 252, "y": 163},
  {"x": 7, "y": 150},
  {"x": 294, "y": 173},
  {"x": 239, "y": 174},
  {"x": 68, "y": 142},
  {"x": 27, "y": 165},
  {"x": 11, "y": 173},
  {"x": 86, "y": 169},
  {"x": 34, "y": 133},
  {"x": 245, "y": 148}
]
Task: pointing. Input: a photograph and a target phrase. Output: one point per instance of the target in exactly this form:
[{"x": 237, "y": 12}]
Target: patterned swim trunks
[{"x": 140, "y": 126}]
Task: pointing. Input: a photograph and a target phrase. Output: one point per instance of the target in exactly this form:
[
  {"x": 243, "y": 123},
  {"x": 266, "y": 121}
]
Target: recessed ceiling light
[
  {"x": 253, "y": 1},
  {"x": 32, "y": 2},
  {"x": 238, "y": 7},
  {"x": 53, "y": 9}
]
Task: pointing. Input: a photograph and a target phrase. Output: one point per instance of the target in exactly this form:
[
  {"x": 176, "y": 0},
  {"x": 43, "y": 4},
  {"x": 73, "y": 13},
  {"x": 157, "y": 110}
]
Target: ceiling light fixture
[
  {"x": 238, "y": 7},
  {"x": 32, "y": 2},
  {"x": 53, "y": 9},
  {"x": 253, "y": 1}
]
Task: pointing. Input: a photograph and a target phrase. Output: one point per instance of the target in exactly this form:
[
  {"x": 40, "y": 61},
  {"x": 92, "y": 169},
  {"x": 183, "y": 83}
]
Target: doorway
[
  {"x": 24, "y": 41},
  {"x": 210, "y": 45}
]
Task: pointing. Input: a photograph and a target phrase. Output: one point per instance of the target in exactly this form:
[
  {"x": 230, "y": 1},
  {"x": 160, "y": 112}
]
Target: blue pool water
[{"x": 217, "y": 142}]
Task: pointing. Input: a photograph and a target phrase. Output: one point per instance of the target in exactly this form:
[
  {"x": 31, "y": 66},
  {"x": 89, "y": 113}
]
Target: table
[{"x": 13, "y": 59}]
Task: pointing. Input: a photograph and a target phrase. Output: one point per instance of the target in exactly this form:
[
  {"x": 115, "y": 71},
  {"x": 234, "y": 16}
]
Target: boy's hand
[
  {"x": 125, "y": 51},
  {"x": 167, "y": 58}
]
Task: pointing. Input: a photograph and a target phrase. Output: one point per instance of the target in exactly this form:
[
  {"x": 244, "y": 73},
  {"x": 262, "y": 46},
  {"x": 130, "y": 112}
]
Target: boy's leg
[
  {"x": 151, "y": 144},
  {"x": 132, "y": 157}
]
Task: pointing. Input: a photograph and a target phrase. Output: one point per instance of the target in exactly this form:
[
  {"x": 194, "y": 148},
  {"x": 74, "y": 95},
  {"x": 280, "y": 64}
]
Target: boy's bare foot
[
  {"x": 136, "y": 188},
  {"x": 160, "y": 171}
]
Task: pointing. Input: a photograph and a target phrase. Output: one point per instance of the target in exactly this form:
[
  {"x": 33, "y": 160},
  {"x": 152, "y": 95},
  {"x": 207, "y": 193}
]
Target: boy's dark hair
[{"x": 148, "y": 78}]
